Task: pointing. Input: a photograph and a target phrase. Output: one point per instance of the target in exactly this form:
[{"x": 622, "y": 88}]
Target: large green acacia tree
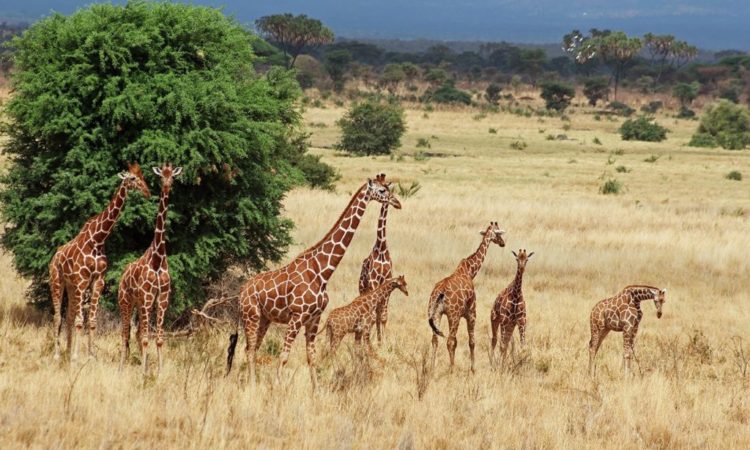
[{"x": 149, "y": 83}]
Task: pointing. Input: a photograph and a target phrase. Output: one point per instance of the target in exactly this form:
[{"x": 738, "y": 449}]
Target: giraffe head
[
  {"x": 400, "y": 284},
  {"x": 380, "y": 190},
  {"x": 133, "y": 179},
  {"x": 660, "y": 296},
  {"x": 495, "y": 234},
  {"x": 167, "y": 173},
  {"x": 522, "y": 258}
]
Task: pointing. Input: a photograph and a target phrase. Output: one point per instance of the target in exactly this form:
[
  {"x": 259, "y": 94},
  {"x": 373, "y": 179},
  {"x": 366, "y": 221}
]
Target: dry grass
[{"x": 679, "y": 224}]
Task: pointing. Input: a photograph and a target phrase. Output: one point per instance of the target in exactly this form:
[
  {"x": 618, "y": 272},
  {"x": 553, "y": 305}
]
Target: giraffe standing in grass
[
  {"x": 80, "y": 265},
  {"x": 296, "y": 293},
  {"x": 454, "y": 296},
  {"x": 377, "y": 267},
  {"x": 146, "y": 281},
  {"x": 359, "y": 316},
  {"x": 509, "y": 310},
  {"x": 622, "y": 313}
]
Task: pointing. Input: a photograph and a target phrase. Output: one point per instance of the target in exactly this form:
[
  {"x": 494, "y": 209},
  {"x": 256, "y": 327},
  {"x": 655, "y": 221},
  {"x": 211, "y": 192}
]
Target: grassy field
[{"x": 677, "y": 223}]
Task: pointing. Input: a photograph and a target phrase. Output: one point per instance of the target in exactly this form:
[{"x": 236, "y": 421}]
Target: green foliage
[
  {"x": 518, "y": 145},
  {"x": 436, "y": 76},
  {"x": 685, "y": 113},
  {"x": 448, "y": 93},
  {"x": 621, "y": 109},
  {"x": 371, "y": 128},
  {"x": 557, "y": 96},
  {"x": 652, "y": 159},
  {"x": 622, "y": 169},
  {"x": 642, "y": 129},
  {"x": 595, "y": 89},
  {"x": 612, "y": 186},
  {"x": 726, "y": 124},
  {"x": 404, "y": 191},
  {"x": 596, "y": 141},
  {"x": 150, "y": 83},
  {"x": 336, "y": 64},
  {"x": 294, "y": 33},
  {"x": 652, "y": 107},
  {"x": 392, "y": 76},
  {"x": 734, "y": 175},
  {"x": 423, "y": 143},
  {"x": 492, "y": 93},
  {"x": 686, "y": 92}
]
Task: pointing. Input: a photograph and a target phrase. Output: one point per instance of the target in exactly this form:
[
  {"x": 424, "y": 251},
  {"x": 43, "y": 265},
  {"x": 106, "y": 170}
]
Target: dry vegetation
[{"x": 678, "y": 224}]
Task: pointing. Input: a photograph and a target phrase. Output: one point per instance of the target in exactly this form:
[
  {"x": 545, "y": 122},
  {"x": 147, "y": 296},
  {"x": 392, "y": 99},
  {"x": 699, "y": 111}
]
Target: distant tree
[
  {"x": 436, "y": 76},
  {"x": 505, "y": 57},
  {"x": 393, "y": 75},
  {"x": 465, "y": 61},
  {"x": 595, "y": 89},
  {"x": 557, "y": 96},
  {"x": 492, "y": 93},
  {"x": 686, "y": 92},
  {"x": 562, "y": 65},
  {"x": 532, "y": 63},
  {"x": 613, "y": 48},
  {"x": 371, "y": 128},
  {"x": 668, "y": 52},
  {"x": 361, "y": 52},
  {"x": 336, "y": 64},
  {"x": 645, "y": 84},
  {"x": 411, "y": 71},
  {"x": 438, "y": 54},
  {"x": 294, "y": 33}
]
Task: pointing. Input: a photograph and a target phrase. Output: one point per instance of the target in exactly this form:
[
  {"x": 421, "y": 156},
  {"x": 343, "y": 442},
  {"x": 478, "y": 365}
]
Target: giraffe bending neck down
[
  {"x": 622, "y": 313},
  {"x": 80, "y": 265},
  {"x": 509, "y": 310},
  {"x": 146, "y": 281},
  {"x": 296, "y": 293},
  {"x": 454, "y": 296},
  {"x": 378, "y": 267}
]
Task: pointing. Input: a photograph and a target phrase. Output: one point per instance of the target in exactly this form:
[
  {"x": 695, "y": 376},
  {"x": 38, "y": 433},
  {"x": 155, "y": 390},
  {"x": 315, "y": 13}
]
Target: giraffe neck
[
  {"x": 380, "y": 243},
  {"x": 473, "y": 263},
  {"x": 330, "y": 250},
  {"x": 105, "y": 221},
  {"x": 381, "y": 293},
  {"x": 159, "y": 245},
  {"x": 642, "y": 293},
  {"x": 517, "y": 283}
]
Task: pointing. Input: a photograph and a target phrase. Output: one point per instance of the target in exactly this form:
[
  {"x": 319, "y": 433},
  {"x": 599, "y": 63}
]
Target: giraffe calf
[
  {"x": 360, "y": 315},
  {"x": 509, "y": 310},
  {"x": 622, "y": 313}
]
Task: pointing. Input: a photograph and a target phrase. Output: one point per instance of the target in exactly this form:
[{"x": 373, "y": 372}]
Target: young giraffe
[
  {"x": 360, "y": 315},
  {"x": 146, "y": 281},
  {"x": 296, "y": 293},
  {"x": 377, "y": 268},
  {"x": 622, "y": 313},
  {"x": 80, "y": 265},
  {"x": 454, "y": 296},
  {"x": 510, "y": 309}
]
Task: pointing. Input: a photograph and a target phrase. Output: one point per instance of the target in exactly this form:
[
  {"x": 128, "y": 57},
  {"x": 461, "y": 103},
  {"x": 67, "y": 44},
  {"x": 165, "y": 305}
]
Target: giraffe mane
[{"x": 646, "y": 286}]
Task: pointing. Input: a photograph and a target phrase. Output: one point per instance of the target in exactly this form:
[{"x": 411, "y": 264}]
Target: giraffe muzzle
[{"x": 394, "y": 202}]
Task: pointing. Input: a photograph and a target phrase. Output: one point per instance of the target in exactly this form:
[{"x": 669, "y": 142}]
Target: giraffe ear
[
  {"x": 514, "y": 253},
  {"x": 177, "y": 171},
  {"x": 123, "y": 175},
  {"x": 663, "y": 291},
  {"x": 530, "y": 255},
  {"x": 156, "y": 170}
]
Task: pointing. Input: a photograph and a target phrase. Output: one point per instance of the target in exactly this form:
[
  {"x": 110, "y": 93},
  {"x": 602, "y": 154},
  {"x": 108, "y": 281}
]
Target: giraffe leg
[
  {"x": 291, "y": 333},
  {"x": 56, "y": 290},
  {"x": 143, "y": 325},
  {"x": 251, "y": 328},
  {"x": 78, "y": 315},
  {"x": 494, "y": 324},
  {"x": 162, "y": 304},
  {"x": 452, "y": 341},
  {"x": 522, "y": 331},
  {"x": 382, "y": 320},
  {"x": 628, "y": 341},
  {"x": 96, "y": 291},
  {"x": 311, "y": 331},
  {"x": 597, "y": 336},
  {"x": 125, "y": 317},
  {"x": 470, "y": 322},
  {"x": 506, "y": 334}
]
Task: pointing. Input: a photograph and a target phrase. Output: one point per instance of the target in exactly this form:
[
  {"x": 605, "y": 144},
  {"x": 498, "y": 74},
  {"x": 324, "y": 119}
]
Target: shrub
[
  {"x": 492, "y": 94},
  {"x": 493, "y": 131},
  {"x": 703, "y": 140},
  {"x": 734, "y": 175},
  {"x": 596, "y": 89},
  {"x": 447, "y": 93},
  {"x": 557, "y": 96},
  {"x": 686, "y": 92},
  {"x": 642, "y": 129},
  {"x": 596, "y": 141},
  {"x": 518, "y": 145},
  {"x": 726, "y": 124},
  {"x": 622, "y": 169},
  {"x": 685, "y": 113},
  {"x": 150, "y": 82},
  {"x": 423, "y": 143},
  {"x": 652, "y": 107},
  {"x": 611, "y": 187},
  {"x": 621, "y": 109},
  {"x": 371, "y": 128},
  {"x": 652, "y": 158}
]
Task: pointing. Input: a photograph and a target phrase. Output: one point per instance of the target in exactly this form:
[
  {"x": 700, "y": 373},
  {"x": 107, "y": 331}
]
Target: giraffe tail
[
  {"x": 230, "y": 350},
  {"x": 436, "y": 306}
]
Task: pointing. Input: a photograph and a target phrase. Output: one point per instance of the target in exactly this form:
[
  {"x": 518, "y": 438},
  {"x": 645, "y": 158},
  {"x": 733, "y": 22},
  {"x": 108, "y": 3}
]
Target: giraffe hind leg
[{"x": 57, "y": 292}]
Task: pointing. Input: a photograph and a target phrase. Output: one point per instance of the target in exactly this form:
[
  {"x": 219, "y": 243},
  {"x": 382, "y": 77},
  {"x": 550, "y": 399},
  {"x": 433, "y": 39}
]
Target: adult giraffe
[
  {"x": 81, "y": 263},
  {"x": 377, "y": 267},
  {"x": 296, "y": 293},
  {"x": 146, "y": 281}
]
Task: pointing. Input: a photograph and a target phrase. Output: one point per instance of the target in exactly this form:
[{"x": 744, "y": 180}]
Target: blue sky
[{"x": 716, "y": 24}]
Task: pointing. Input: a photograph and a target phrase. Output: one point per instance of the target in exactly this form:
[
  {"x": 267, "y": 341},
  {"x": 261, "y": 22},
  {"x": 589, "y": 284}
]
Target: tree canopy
[{"x": 294, "y": 33}]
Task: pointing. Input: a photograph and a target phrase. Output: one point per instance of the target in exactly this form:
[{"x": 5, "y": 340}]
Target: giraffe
[
  {"x": 360, "y": 315},
  {"x": 80, "y": 264},
  {"x": 622, "y": 313},
  {"x": 296, "y": 293},
  {"x": 454, "y": 296},
  {"x": 146, "y": 281},
  {"x": 377, "y": 268},
  {"x": 510, "y": 309}
]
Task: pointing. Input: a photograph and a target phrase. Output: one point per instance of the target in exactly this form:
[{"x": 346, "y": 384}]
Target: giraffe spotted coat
[{"x": 509, "y": 310}]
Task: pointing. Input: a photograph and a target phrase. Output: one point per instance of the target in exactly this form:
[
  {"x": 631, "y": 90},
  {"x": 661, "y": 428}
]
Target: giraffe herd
[{"x": 296, "y": 294}]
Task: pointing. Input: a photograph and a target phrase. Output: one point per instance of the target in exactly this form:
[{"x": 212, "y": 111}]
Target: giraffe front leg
[
  {"x": 470, "y": 322},
  {"x": 311, "y": 331},
  {"x": 291, "y": 334},
  {"x": 628, "y": 340},
  {"x": 162, "y": 304},
  {"x": 506, "y": 334},
  {"x": 494, "y": 324},
  {"x": 125, "y": 317},
  {"x": 78, "y": 316},
  {"x": 56, "y": 290},
  {"x": 522, "y": 332},
  {"x": 97, "y": 287},
  {"x": 143, "y": 328}
]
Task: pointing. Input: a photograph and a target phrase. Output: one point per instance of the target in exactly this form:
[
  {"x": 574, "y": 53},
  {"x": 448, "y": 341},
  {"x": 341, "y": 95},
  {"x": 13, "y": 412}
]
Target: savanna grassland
[{"x": 676, "y": 223}]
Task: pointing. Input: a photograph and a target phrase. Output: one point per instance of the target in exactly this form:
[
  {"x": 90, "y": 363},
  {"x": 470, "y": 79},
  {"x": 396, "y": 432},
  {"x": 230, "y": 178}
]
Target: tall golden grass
[{"x": 678, "y": 224}]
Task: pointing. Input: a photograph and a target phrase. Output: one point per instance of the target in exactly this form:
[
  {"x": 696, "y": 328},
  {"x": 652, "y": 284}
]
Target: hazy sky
[{"x": 712, "y": 24}]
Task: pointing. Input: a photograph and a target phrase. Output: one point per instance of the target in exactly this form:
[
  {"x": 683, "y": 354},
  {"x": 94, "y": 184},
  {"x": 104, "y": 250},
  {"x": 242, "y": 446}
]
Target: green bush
[
  {"x": 726, "y": 124},
  {"x": 611, "y": 187},
  {"x": 492, "y": 93},
  {"x": 621, "y": 109},
  {"x": 371, "y": 128},
  {"x": 652, "y": 107},
  {"x": 685, "y": 113},
  {"x": 734, "y": 175},
  {"x": 596, "y": 89},
  {"x": 686, "y": 92},
  {"x": 557, "y": 96},
  {"x": 703, "y": 140},
  {"x": 642, "y": 129},
  {"x": 150, "y": 82},
  {"x": 447, "y": 93}
]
